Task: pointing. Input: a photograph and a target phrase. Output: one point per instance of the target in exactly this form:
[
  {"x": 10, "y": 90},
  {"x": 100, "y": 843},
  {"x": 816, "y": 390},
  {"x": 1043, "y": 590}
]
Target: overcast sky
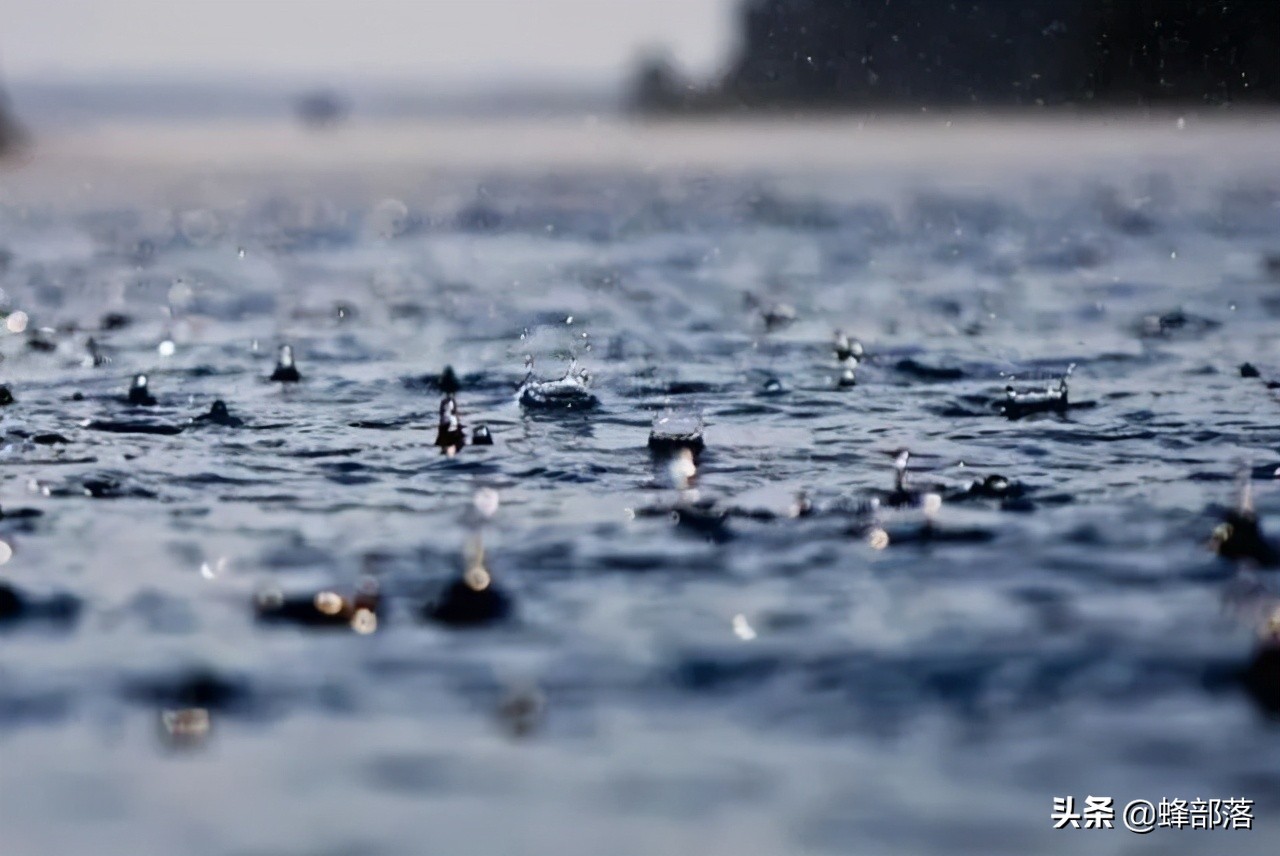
[{"x": 455, "y": 40}]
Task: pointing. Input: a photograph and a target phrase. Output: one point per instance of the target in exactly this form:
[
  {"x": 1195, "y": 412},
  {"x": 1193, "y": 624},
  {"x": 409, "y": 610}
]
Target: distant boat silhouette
[{"x": 322, "y": 108}]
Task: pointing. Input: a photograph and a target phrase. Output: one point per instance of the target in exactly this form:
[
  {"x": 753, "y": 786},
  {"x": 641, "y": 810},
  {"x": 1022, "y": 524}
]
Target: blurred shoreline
[{"x": 938, "y": 143}]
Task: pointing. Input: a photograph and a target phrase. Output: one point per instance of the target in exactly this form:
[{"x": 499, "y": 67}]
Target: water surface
[{"x": 765, "y": 684}]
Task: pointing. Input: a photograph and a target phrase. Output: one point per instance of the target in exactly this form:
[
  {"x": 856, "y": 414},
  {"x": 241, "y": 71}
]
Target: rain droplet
[
  {"x": 286, "y": 371},
  {"x": 139, "y": 394}
]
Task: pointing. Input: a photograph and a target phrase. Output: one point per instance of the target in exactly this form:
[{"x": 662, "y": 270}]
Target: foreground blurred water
[{"x": 760, "y": 683}]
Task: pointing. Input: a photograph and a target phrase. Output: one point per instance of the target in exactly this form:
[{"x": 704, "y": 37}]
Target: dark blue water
[{"x": 782, "y": 665}]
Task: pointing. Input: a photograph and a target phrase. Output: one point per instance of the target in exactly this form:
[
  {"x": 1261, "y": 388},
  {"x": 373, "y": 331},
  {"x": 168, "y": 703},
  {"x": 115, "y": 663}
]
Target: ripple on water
[{"x": 705, "y": 537}]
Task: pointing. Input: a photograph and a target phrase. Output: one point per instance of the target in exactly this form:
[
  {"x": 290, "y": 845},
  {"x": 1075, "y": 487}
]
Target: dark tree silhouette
[
  {"x": 11, "y": 133},
  {"x": 857, "y": 53}
]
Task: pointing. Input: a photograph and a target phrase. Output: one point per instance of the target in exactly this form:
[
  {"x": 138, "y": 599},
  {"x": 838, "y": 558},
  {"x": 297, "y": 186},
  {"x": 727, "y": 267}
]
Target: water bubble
[
  {"x": 742, "y": 628},
  {"x": 16, "y": 322},
  {"x": 364, "y": 622},
  {"x": 568, "y": 393},
  {"x": 166, "y": 348},
  {"x": 328, "y": 602},
  {"x": 477, "y": 578}
]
